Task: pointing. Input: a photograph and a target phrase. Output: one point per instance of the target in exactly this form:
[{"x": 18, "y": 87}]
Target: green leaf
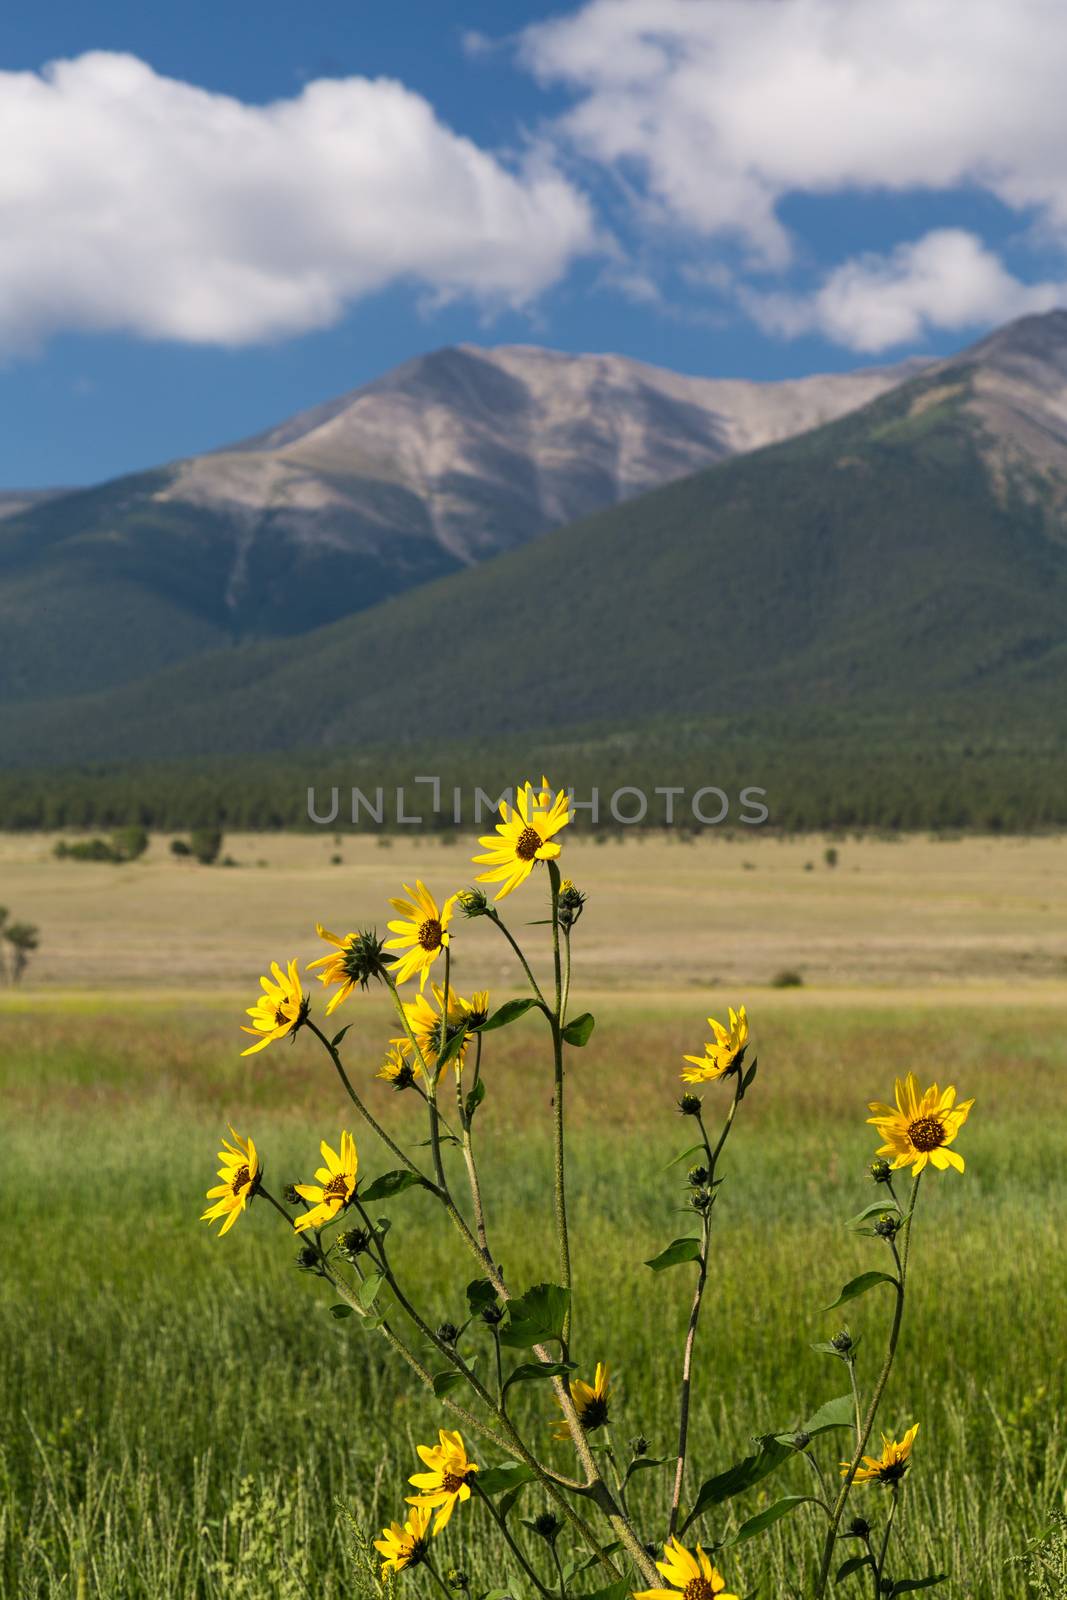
[
  {"x": 578, "y": 1031},
  {"x": 748, "y": 1079},
  {"x": 389, "y": 1184},
  {"x": 572, "y": 1568},
  {"x": 536, "y": 1317},
  {"x": 677, "y": 1251},
  {"x": 509, "y": 1012},
  {"x": 445, "y": 1382},
  {"x": 539, "y": 1369},
  {"x": 498, "y": 1480},
  {"x": 480, "y": 1293},
  {"x": 619, "y": 1590},
  {"x": 475, "y": 1098},
  {"x": 858, "y": 1286},
  {"x": 694, "y": 1149},
  {"x": 839, "y": 1413},
  {"x": 878, "y": 1209},
  {"x": 772, "y": 1452},
  {"x": 340, "y": 1312},
  {"x": 368, "y": 1290},
  {"x": 909, "y": 1585},
  {"x": 336, "y": 1040},
  {"x": 506, "y": 1504},
  {"x": 764, "y": 1519},
  {"x": 648, "y": 1461},
  {"x": 450, "y": 1051},
  {"x": 853, "y": 1564}
]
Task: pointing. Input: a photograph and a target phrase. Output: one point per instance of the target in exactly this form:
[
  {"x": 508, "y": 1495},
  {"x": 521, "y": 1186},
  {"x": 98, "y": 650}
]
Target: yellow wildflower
[
  {"x": 240, "y": 1173},
  {"x": 920, "y": 1127},
  {"x": 525, "y": 835}
]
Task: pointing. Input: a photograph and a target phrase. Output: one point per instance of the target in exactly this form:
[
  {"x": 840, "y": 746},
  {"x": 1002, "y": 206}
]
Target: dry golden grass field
[
  {"x": 180, "y": 1420},
  {"x": 977, "y": 915}
]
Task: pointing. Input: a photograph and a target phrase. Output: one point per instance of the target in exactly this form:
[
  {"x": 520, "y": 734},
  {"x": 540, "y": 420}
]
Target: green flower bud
[
  {"x": 307, "y": 1259},
  {"x": 354, "y": 1243},
  {"x": 473, "y": 903},
  {"x": 547, "y": 1526}
]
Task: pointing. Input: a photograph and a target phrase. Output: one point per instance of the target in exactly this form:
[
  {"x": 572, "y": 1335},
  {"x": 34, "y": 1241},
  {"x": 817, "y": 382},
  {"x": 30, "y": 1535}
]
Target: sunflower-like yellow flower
[
  {"x": 280, "y": 1009},
  {"x": 888, "y": 1468},
  {"x": 396, "y": 1068},
  {"x": 447, "y": 1480},
  {"x": 692, "y": 1573},
  {"x": 357, "y": 958},
  {"x": 431, "y": 1036},
  {"x": 590, "y": 1402},
  {"x": 723, "y": 1052},
  {"x": 920, "y": 1127},
  {"x": 240, "y": 1173},
  {"x": 335, "y": 1186},
  {"x": 525, "y": 834},
  {"x": 422, "y": 932},
  {"x": 404, "y": 1546}
]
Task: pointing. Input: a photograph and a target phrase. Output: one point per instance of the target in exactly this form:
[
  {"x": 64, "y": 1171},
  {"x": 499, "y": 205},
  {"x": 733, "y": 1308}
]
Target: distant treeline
[{"x": 823, "y": 779}]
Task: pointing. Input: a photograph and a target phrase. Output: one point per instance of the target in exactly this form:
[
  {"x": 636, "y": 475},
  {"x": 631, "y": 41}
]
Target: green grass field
[{"x": 182, "y": 1417}]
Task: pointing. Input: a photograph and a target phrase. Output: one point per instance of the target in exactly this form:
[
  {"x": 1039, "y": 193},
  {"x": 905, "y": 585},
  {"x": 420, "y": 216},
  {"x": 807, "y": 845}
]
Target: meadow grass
[{"x": 182, "y": 1417}]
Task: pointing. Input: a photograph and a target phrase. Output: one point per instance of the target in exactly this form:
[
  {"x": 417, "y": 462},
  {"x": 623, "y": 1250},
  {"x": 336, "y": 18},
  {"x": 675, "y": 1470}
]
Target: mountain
[
  {"x": 15, "y": 501},
  {"x": 910, "y": 557},
  {"x": 449, "y": 460}
]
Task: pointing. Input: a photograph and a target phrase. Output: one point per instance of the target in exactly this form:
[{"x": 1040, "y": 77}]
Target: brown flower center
[
  {"x": 452, "y": 1482},
  {"x": 337, "y": 1188},
  {"x": 430, "y": 934},
  {"x": 240, "y": 1178},
  {"x": 698, "y": 1589},
  {"x": 595, "y": 1414},
  {"x": 280, "y": 1018},
  {"x": 926, "y": 1133},
  {"x": 527, "y": 844}
]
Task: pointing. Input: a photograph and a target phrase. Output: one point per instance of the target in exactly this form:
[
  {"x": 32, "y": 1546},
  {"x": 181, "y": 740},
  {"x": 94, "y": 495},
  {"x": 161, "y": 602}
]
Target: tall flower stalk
[{"x": 486, "y": 1457}]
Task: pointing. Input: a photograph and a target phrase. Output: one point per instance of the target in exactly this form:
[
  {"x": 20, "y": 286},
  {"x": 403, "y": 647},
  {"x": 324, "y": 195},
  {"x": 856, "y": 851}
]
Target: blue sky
[{"x": 721, "y": 186}]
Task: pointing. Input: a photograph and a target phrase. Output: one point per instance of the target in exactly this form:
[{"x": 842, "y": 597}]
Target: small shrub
[
  {"x": 24, "y": 939},
  {"x": 87, "y": 850},
  {"x": 205, "y": 844},
  {"x": 128, "y": 844},
  {"x": 788, "y": 978},
  {"x": 180, "y": 847}
]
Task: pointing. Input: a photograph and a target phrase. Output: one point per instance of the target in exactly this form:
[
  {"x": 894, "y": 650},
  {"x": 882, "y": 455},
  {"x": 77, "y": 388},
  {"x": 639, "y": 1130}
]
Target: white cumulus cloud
[
  {"x": 945, "y": 280},
  {"x": 134, "y": 202},
  {"x": 721, "y": 109}
]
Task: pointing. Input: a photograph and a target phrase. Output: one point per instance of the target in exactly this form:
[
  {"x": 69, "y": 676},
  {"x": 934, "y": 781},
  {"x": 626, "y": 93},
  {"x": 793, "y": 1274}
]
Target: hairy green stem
[
  {"x": 686, "y": 1381},
  {"x": 875, "y": 1402},
  {"x": 558, "y": 1138}
]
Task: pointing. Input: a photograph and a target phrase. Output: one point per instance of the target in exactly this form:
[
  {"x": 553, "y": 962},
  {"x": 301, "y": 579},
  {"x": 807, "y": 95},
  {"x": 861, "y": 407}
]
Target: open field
[
  {"x": 977, "y": 914},
  {"x": 182, "y": 1420}
]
